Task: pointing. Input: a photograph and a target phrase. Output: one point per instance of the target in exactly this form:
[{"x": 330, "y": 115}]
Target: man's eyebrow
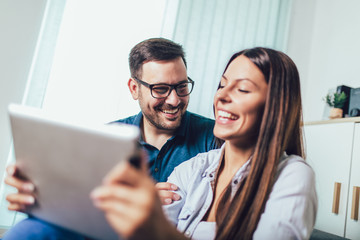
[{"x": 183, "y": 81}]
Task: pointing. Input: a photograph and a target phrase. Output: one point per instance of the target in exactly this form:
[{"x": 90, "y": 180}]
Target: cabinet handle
[
  {"x": 336, "y": 199},
  {"x": 355, "y": 203}
]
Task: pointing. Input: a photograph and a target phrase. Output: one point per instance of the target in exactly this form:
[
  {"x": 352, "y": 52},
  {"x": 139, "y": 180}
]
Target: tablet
[{"x": 66, "y": 161}]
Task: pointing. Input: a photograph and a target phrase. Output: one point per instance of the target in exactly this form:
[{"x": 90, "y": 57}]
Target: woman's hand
[
  {"x": 165, "y": 190},
  {"x": 132, "y": 205},
  {"x": 24, "y": 197}
]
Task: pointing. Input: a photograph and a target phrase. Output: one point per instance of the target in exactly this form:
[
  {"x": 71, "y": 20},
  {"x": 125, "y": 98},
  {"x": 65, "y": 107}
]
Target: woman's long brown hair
[{"x": 280, "y": 131}]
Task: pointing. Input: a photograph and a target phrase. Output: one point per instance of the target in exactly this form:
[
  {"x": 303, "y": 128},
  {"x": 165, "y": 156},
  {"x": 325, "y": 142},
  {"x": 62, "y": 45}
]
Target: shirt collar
[
  {"x": 137, "y": 119},
  {"x": 184, "y": 125},
  {"x": 211, "y": 171},
  {"x": 243, "y": 171}
]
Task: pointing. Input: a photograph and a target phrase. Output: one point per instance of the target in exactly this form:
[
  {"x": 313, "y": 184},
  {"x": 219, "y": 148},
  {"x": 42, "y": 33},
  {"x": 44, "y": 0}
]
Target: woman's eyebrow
[{"x": 241, "y": 79}]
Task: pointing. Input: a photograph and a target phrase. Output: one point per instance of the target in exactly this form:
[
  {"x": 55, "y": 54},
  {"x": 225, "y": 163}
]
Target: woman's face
[{"x": 239, "y": 102}]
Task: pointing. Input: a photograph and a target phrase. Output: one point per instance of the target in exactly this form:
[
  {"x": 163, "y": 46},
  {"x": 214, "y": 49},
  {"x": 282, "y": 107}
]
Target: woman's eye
[{"x": 243, "y": 91}]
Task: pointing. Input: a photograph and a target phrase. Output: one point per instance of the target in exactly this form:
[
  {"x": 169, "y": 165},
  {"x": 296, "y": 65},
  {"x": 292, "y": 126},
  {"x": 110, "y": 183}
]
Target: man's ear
[{"x": 134, "y": 88}]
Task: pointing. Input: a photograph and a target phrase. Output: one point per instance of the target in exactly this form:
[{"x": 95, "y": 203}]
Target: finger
[
  {"x": 11, "y": 169},
  {"x": 131, "y": 213},
  {"x": 21, "y": 186},
  {"x": 167, "y": 197},
  {"x": 125, "y": 194},
  {"x": 119, "y": 192},
  {"x": 166, "y": 186},
  {"x": 116, "y": 173},
  {"x": 122, "y": 193},
  {"x": 19, "y": 198},
  {"x": 16, "y": 207},
  {"x": 121, "y": 208},
  {"x": 125, "y": 173}
]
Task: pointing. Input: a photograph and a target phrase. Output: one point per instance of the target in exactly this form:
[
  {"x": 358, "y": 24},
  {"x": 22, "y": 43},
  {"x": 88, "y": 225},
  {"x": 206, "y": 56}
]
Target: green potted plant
[{"x": 336, "y": 101}]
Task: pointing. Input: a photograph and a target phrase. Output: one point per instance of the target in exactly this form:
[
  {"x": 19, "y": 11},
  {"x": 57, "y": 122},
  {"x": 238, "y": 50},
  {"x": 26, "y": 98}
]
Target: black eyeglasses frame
[{"x": 172, "y": 86}]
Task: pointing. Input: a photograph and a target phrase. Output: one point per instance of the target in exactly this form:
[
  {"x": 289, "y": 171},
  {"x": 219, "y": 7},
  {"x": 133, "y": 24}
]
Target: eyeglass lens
[{"x": 182, "y": 90}]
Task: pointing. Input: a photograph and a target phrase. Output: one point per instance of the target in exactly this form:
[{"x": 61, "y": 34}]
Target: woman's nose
[{"x": 223, "y": 94}]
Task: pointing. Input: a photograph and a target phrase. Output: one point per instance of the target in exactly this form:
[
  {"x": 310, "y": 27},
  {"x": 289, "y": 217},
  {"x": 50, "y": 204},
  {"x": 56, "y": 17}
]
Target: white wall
[
  {"x": 90, "y": 71},
  {"x": 324, "y": 42},
  {"x": 20, "y": 23}
]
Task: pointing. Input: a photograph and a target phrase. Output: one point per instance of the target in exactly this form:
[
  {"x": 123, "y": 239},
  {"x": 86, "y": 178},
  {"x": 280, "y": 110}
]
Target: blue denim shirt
[
  {"x": 289, "y": 213},
  {"x": 195, "y": 135}
]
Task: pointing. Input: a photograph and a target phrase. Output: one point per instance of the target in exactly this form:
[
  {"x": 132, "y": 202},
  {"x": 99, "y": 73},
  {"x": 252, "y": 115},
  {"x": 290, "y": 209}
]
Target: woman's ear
[{"x": 134, "y": 88}]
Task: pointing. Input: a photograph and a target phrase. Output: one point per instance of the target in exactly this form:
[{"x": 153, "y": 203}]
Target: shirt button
[
  {"x": 156, "y": 169},
  {"x": 236, "y": 182},
  {"x": 187, "y": 233}
]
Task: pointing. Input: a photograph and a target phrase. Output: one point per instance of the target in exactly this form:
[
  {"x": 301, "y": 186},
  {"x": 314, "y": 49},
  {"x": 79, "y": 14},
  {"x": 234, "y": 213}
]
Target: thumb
[{"x": 128, "y": 171}]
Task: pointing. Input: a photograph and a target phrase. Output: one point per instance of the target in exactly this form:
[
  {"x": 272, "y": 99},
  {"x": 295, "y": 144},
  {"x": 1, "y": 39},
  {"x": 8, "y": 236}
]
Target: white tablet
[{"x": 66, "y": 161}]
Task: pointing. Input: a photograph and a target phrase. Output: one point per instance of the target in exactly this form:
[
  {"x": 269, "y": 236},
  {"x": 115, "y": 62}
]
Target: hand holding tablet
[{"x": 66, "y": 161}]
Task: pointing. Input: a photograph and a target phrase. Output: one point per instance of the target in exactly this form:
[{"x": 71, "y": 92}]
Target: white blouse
[{"x": 290, "y": 210}]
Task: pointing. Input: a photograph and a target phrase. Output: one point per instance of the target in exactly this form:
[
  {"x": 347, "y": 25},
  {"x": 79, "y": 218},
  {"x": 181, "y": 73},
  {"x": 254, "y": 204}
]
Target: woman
[{"x": 256, "y": 186}]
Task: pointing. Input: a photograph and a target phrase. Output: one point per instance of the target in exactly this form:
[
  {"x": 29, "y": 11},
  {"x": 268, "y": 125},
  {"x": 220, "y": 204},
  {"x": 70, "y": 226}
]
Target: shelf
[{"x": 337, "y": 120}]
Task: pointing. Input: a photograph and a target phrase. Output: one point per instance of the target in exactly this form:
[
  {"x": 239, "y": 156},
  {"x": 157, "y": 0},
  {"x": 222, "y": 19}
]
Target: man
[{"x": 169, "y": 133}]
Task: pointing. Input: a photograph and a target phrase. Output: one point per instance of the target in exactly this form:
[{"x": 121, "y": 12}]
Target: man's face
[{"x": 165, "y": 113}]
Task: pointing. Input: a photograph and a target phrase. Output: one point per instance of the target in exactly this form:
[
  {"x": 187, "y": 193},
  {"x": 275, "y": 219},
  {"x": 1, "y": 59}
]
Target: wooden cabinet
[{"x": 333, "y": 151}]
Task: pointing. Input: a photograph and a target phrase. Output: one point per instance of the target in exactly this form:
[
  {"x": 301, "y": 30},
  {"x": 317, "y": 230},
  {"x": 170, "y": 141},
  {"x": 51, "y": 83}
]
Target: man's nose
[{"x": 173, "y": 99}]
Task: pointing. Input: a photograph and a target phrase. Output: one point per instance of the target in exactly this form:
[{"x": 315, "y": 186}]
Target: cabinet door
[
  {"x": 328, "y": 150},
  {"x": 353, "y": 226}
]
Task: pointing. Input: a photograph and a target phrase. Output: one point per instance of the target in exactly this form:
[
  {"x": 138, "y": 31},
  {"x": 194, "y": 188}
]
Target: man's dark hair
[{"x": 153, "y": 49}]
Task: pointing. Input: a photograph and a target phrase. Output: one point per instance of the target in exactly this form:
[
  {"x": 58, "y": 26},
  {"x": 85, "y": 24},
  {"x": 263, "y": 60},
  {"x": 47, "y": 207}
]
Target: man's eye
[
  {"x": 161, "y": 90},
  {"x": 182, "y": 86}
]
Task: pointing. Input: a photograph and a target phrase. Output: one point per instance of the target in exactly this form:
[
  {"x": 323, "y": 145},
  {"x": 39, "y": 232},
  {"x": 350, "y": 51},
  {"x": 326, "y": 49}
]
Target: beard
[{"x": 154, "y": 115}]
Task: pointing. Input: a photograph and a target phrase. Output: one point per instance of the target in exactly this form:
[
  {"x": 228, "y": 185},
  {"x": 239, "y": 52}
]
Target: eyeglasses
[{"x": 162, "y": 90}]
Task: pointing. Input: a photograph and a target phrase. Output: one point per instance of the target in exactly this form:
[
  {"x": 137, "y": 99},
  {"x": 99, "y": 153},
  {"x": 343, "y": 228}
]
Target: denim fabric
[
  {"x": 289, "y": 213},
  {"x": 34, "y": 229}
]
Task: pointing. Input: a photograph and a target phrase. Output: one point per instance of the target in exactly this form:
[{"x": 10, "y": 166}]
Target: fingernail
[
  {"x": 176, "y": 197},
  {"x": 29, "y": 187},
  {"x": 96, "y": 202},
  {"x": 168, "y": 200},
  {"x": 95, "y": 193},
  {"x": 30, "y": 200},
  {"x": 11, "y": 171},
  {"x": 173, "y": 187}
]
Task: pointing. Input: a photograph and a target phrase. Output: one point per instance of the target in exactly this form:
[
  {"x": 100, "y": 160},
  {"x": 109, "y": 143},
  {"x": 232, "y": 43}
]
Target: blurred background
[{"x": 70, "y": 57}]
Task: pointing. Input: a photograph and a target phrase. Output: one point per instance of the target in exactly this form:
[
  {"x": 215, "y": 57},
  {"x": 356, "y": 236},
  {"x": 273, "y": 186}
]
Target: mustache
[{"x": 169, "y": 107}]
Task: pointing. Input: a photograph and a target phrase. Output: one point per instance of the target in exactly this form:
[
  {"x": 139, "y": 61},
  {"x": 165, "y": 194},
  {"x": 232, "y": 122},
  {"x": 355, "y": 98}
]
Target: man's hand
[
  {"x": 24, "y": 197},
  {"x": 166, "y": 194}
]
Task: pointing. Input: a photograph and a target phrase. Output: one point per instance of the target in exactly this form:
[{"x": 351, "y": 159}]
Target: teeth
[
  {"x": 226, "y": 115},
  {"x": 170, "y": 111}
]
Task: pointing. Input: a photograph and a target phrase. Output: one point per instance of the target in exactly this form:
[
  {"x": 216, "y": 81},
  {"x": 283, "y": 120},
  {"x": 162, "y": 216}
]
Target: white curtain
[
  {"x": 212, "y": 30},
  {"x": 35, "y": 87}
]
